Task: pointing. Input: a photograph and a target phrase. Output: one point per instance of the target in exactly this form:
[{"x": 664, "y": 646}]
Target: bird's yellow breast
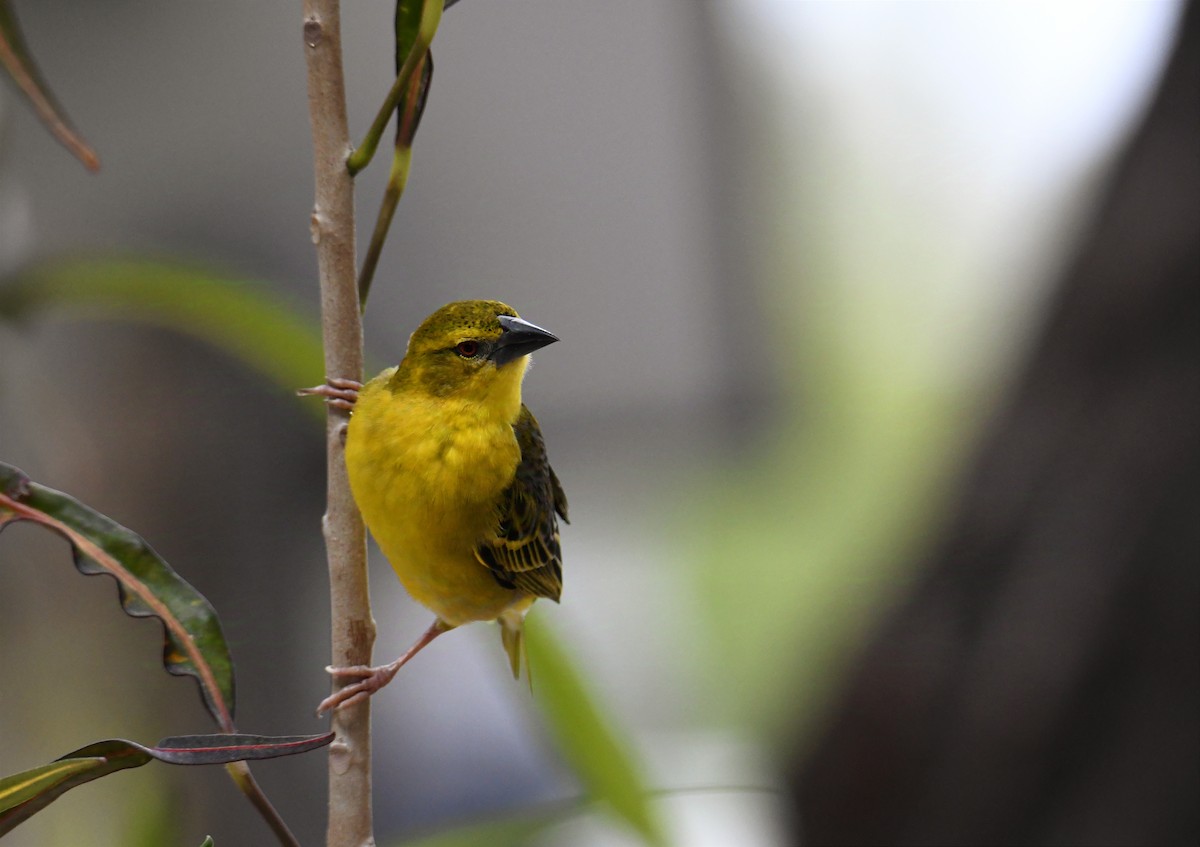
[{"x": 427, "y": 473}]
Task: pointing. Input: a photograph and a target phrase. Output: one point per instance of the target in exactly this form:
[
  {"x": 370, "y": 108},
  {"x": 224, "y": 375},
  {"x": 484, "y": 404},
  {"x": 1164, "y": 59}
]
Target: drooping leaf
[
  {"x": 85, "y": 764},
  {"x": 584, "y": 736},
  {"x": 24, "y": 794},
  {"x": 194, "y": 644},
  {"x": 16, "y": 60},
  {"x": 240, "y": 317},
  {"x": 27, "y": 785}
]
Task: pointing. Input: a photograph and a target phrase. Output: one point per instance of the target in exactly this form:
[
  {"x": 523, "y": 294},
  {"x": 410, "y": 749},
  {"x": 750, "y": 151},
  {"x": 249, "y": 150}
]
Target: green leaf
[
  {"x": 408, "y": 24},
  {"x": 240, "y": 317},
  {"x": 194, "y": 644},
  {"x": 16, "y": 60},
  {"x": 159, "y": 808},
  {"x": 24, "y": 794},
  {"x": 207, "y": 842},
  {"x": 83, "y": 765},
  {"x": 584, "y": 736},
  {"x": 27, "y": 785}
]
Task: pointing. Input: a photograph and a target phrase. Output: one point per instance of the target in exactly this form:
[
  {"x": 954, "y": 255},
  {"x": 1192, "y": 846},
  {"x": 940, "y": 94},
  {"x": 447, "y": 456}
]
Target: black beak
[{"x": 520, "y": 338}]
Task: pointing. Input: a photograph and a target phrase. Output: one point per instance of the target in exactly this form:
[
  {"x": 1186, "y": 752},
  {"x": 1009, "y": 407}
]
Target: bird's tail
[{"x": 512, "y": 636}]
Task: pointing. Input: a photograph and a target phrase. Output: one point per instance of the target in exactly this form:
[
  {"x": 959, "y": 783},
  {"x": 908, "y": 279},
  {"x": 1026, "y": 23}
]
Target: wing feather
[{"x": 525, "y": 553}]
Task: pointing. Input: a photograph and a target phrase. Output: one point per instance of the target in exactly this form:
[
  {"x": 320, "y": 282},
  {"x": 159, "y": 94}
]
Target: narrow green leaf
[
  {"x": 16, "y": 60},
  {"x": 207, "y": 842},
  {"x": 23, "y": 787},
  {"x": 84, "y": 765},
  {"x": 584, "y": 736},
  {"x": 240, "y": 317},
  {"x": 407, "y": 24},
  {"x": 194, "y": 644},
  {"x": 23, "y": 795}
]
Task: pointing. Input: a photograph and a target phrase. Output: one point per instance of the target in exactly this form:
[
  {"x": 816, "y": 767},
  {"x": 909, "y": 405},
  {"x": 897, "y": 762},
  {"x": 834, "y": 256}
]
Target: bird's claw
[
  {"x": 370, "y": 681},
  {"x": 338, "y": 392}
]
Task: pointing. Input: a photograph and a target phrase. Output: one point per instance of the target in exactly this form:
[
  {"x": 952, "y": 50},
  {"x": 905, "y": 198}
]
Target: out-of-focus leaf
[
  {"x": 16, "y": 60},
  {"x": 584, "y": 736},
  {"x": 194, "y": 644},
  {"x": 159, "y": 808},
  {"x": 23, "y": 795},
  {"x": 207, "y": 842},
  {"x": 240, "y": 317}
]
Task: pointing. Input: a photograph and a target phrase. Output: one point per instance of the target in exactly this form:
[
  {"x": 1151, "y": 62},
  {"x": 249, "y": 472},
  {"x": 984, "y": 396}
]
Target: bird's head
[{"x": 474, "y": 348}]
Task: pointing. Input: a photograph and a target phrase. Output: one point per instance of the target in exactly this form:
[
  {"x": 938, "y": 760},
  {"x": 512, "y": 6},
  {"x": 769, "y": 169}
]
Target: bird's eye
[{"x": 467, "y": 349}]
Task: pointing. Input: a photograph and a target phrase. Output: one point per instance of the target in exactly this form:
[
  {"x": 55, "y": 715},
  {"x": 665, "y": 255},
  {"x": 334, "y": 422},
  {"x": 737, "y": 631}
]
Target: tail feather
[{"x": 512, "y": 636}]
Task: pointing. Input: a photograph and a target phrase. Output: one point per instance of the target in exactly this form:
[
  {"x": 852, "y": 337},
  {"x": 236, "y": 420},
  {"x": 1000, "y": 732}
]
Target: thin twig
[{"x": 353, "y": 629}]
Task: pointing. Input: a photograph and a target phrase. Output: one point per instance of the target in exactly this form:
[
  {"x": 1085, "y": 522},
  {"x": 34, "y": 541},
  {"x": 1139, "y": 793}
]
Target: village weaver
[{"x": 449, "y": 470}]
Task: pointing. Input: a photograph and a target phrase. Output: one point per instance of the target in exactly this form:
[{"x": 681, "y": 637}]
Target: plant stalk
[{"x": 353, "y": 629}]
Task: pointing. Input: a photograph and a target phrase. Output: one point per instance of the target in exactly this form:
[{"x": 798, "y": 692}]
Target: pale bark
[{"x": 353, "y": 629}]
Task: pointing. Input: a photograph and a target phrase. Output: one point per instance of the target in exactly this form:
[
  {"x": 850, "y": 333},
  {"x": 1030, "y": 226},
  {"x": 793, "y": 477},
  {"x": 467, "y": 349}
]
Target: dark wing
[{"x": 525, "y": 553}]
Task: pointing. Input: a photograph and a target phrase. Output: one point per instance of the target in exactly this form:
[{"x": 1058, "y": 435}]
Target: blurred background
[{"x": 805, "y": 260}]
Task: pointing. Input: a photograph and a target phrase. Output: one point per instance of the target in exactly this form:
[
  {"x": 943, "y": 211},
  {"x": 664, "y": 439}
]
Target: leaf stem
[
  {"x": 397, "y": 179},
  {"x": 15, "y": 58},
  {"x": 244, "y": 779},
  {"x": 353, "y": 629}
]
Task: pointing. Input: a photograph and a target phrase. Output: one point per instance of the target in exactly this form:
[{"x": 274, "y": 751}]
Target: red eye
[{"x": 467, "y": 349}]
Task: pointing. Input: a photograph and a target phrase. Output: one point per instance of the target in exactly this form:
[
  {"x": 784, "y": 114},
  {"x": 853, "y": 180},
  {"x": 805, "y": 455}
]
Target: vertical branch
[{"x": 353, "y": 630}]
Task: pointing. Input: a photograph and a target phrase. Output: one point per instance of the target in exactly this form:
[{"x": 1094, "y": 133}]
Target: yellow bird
[{"x": 449, "y": 470}]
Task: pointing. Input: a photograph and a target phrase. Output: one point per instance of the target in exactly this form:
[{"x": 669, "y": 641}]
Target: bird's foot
[
  {"x": 369, "y": 679},
  {"x": 338, "y": 392},
  {"x": 373, "y": 679}
]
